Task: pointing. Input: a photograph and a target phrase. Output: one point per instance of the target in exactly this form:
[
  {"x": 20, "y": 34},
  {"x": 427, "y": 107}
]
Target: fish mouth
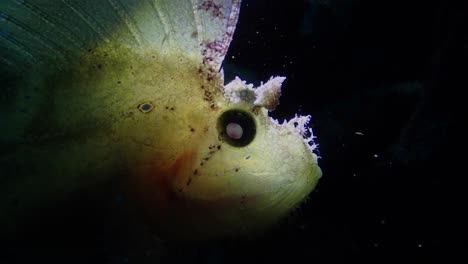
[
  {"x": 179, "y": 209},
  {"x": 161, "y": 194}
]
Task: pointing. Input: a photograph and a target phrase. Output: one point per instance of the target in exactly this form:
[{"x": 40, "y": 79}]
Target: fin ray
[
  {"x": 11, "y": 43},
  {"x": 59, "y": 30},
  {"x": 162, "y": 18},
  {"x": 25, "y": 31},
  {"x": 65, "y": 32},
  {"x": 88, "y": 20},
  {"x": 127, "y": 20}
]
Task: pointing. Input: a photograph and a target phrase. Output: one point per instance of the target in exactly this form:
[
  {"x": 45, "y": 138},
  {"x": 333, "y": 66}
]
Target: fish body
[{"x": 132, "y": 92}]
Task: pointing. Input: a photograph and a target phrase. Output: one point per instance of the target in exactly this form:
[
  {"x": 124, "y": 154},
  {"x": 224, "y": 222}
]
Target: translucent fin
[
  {"x": 216, "y": 22},
  {"x": 33, "y": 31}
]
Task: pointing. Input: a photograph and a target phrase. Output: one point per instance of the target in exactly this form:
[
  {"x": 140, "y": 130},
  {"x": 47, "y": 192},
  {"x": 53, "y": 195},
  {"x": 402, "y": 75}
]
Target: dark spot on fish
[
  {"x": 99, "y": 66},
  {"x": 237, "y": 169},
  {"x": 192, "y": 129},
  {"x": 189, "y": 181},
  {"x": 167, "y": 107},
  {"x": 248, "y": 157},
  {"x": 153, "y": 56},
  {"x": 90, "y": 50},
  {"x": 119, "y": 82},
  {"x": 194, "y": 34},
  {"x": 215, "y": 9},
  {"x": 219, "y": 147},
  {"x": 256, "y": 110},
  {"x": 195, "y": 172},
  {"x": 202, "y": 163},
  {"x": 172, "y": 108},
  {"x": 145, "y": 107}
]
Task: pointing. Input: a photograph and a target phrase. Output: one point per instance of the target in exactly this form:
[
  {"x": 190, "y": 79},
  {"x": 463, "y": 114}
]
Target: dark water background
[
  {"x": 383, "y": 81},
  {"x": 393, "y": 71}
]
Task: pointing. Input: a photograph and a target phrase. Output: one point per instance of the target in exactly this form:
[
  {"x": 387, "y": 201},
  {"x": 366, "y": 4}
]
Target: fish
[{"x": 131, "y": 93}]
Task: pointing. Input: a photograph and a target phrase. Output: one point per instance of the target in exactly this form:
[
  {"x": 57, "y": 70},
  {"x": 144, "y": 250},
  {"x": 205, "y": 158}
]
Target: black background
[{"x": 393, "y": 71}]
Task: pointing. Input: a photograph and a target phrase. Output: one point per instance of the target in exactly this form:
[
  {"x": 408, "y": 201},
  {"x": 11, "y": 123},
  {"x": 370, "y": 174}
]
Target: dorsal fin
[
  {"x": 216, "y": 22},
  {"x": 35, "y": 31}
]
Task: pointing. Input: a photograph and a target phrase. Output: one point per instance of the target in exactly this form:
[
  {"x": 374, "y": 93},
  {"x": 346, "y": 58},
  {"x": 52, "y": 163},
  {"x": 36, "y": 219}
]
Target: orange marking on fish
[{"x": 158, "y": 187}]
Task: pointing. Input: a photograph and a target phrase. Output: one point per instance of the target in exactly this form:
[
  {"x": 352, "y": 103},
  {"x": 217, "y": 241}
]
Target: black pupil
[
  {"x": 233, "y": 119},
  {"x": 146, "y": 107}
]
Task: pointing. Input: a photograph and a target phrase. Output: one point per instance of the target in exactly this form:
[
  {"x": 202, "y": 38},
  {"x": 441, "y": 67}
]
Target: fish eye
[
  {"x": 237, "y": 127},
  {"x": 145, "y": 107}
]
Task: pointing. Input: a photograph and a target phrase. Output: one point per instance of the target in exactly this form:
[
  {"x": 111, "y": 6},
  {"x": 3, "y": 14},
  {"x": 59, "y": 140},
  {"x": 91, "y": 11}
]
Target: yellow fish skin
[{"x": 200, "y": 159}]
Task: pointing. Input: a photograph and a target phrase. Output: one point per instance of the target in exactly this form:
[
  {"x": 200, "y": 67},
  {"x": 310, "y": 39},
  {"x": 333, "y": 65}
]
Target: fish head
[{"x": 236, "y": 171}]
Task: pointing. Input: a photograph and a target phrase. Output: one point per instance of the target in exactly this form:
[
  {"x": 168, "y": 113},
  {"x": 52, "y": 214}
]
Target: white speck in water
[
  {"x": 359, "y": 133},
  {"x": 419, "y": 245},
  {"x": 376, "y": 155}
]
